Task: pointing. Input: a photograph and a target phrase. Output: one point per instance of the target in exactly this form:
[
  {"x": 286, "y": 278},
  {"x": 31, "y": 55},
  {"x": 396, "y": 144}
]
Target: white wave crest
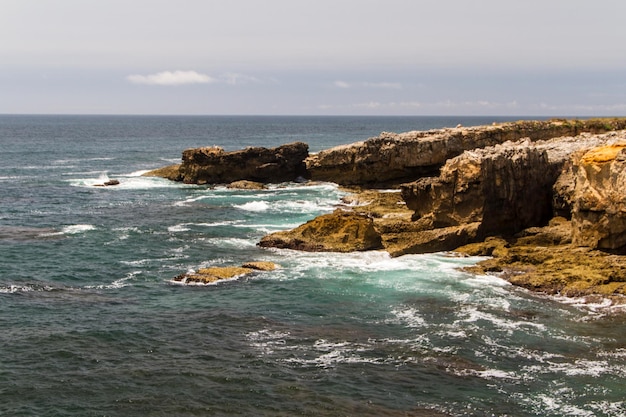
[
  {"x": 12, "y": 289},
  {"x": 256, "y": 206},
  {"x": 178, "y": 228},
  {"x": 132, "y": 181},
  {"x": 117, "y": 284},
  {"x": 77, "y": 228},
  {"x": 73, "y": 229}
]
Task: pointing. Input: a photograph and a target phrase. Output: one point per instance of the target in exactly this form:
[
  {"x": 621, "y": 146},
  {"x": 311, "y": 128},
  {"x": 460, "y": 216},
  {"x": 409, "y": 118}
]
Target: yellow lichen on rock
[{"x": 602, "y": 154}]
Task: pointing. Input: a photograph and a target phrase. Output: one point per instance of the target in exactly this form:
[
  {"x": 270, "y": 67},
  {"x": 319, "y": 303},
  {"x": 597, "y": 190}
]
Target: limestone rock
[
  {"x": 340, "y": 231},
  {"x": 599, "y": 209},
  {"x": 261, "y": 265},
  {"x": 219, "y": 273},
  {"x": 171, "y": 172},
  {"x": 435, "y": 240}
]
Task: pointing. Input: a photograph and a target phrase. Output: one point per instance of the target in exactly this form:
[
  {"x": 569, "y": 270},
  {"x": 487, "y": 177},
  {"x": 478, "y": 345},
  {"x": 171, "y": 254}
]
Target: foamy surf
[
  {"x": 132, "y": 181},
  {"x": 73, "y": 229}
]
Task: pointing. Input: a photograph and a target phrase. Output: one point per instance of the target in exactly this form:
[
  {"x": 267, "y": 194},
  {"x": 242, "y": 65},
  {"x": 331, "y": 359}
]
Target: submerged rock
[
  {"x": 246, "y": 185},
  {"x": 340, "y": 231}
]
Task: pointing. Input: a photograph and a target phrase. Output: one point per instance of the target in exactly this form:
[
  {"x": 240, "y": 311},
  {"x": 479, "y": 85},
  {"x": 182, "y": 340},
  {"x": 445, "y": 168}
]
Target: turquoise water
[{"x": 92, "y": 325}]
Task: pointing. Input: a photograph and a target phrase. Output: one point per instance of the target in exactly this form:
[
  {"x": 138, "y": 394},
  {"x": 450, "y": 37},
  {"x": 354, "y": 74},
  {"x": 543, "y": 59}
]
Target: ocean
[{"x": 92, "y": 324}]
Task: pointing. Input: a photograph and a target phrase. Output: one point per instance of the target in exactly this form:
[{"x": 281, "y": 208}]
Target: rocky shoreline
[{"x": 546, "y": 201}]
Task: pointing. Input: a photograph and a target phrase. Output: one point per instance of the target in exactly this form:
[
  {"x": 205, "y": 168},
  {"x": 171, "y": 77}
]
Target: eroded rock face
[
  {"x": 599, "y": 198},
  {"x": 507, "y": 187},
  {"x": 340, "y": 231},
  {"x": 395, "y": 158}
]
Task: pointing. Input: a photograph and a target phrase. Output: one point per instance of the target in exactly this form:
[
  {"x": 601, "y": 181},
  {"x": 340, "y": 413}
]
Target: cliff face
[
  {"x": 506, "y": 187},
  {"x": 599, "y": 197},
  {"x": 394, "y": 158}
]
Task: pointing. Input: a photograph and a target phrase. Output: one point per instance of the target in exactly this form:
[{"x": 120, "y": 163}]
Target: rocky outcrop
[
  {"x": 541, "y": 259},
  {"x": 340, "y": 231},
  {"x": 599, "y": 198},
  {"x": 220, "y": 273},
  {"x": 213, "y": 165},
  {"x": 394, "y": 158}
]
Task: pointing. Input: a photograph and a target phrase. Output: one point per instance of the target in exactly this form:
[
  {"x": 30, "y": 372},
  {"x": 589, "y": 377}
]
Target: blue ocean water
[{"x": 92, "y": 325}]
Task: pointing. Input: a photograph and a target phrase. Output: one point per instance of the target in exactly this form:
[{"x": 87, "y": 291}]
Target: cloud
[
  {"x": 341, "y": 84},
  {"x": 382, "y": 85},
  {"x": 171, "y": 78},
  {"x": 393, "y": 86},
  {"x": 235, "y": 78}
]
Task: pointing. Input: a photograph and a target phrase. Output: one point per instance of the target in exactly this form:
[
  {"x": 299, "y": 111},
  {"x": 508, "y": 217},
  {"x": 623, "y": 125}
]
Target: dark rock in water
[
  {"x": 213, "y": 165},
  {"x": 340, "y": 231},
  {"x": 108, "y": 183}
]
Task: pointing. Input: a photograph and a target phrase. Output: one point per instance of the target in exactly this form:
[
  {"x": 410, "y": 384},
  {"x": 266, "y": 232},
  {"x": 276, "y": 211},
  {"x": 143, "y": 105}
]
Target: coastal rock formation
[
  {"x": 599, "y": 195},
  {"x": 393, "y": 158},
  {"x": 541, "y": 259},
  {"x": 507, "y": 187},
  {"x": 213, "y": 165},
  {"x": 340, "y": 231},
  {"x": 220, "y": 273}
]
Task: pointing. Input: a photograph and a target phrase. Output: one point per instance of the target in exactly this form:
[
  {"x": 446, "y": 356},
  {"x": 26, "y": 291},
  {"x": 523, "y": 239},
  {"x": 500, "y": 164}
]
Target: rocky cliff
[
  {"x": 392, "y": 158},
  {"x": 507, "y": 187}
]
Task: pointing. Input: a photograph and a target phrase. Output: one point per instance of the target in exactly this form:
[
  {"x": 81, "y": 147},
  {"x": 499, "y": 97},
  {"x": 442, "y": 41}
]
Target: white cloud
[
  {"x": 393, "y": 86},
  {"x": 171, "y": 78},
  {"x": 234, "y": 78},
  {"x": 382, "y": 85}
]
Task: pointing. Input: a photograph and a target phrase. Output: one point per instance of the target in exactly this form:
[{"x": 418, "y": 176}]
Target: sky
[{"x": 313, "y": 57}]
